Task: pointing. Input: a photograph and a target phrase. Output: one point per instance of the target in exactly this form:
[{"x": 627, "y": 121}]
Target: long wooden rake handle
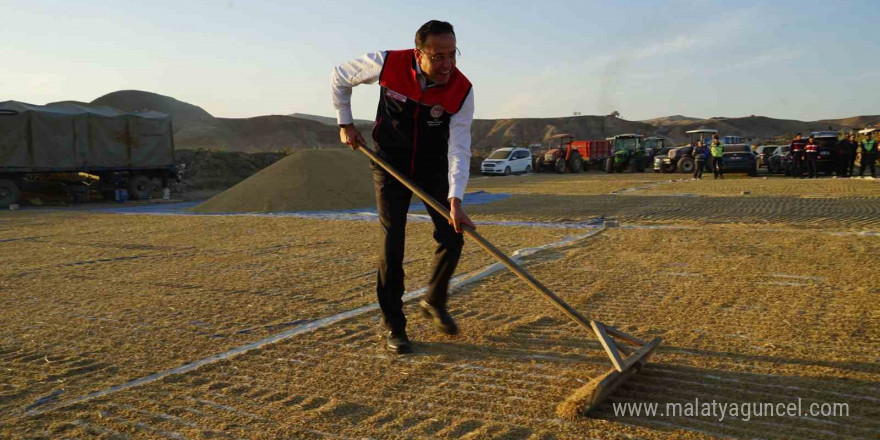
[{"x": 488, "y": 247}]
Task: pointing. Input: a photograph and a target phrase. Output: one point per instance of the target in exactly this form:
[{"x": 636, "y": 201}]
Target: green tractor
[{"x": 627, "y": 152}]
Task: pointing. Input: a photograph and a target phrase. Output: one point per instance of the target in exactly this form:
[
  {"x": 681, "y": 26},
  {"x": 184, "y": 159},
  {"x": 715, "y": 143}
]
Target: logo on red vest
[
  {"x": 437, "y": 111},
  {"x": 392, "y": 94}
]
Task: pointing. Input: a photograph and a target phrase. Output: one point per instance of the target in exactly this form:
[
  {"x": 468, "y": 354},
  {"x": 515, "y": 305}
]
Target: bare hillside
[
  {"x": 672, "y": 120},
  {"x": 196, "y": 128},
  {"x": 489, "y": 133}
]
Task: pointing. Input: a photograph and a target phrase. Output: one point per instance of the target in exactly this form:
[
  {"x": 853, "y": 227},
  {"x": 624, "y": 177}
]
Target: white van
[{"x": 508, "y": 160}]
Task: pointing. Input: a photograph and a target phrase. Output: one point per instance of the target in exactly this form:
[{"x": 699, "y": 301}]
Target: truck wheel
[
  {"x": 586, "y": 166},
  {"x": 640, "y": 166},
  {"x": 609, "y": 165},
  {"x": 507, "y": 171},
  {"x": 753, "y": 172},
  {"x": 539, "y": 164},
  {"x": 140, "y": 187},
  {"x": 528, "y": 169},
  {"x": 633, "y": 165},
  {"x": 575, "y": 163},
  {"x": 8, "y": 193},
  {"x": 560, "y": 165},
  {"x": 686, "y": 165}
]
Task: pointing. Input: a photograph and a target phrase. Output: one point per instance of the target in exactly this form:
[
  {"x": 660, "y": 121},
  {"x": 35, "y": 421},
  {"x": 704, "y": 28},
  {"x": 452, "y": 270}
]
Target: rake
[{"x": 616, "y": 343}]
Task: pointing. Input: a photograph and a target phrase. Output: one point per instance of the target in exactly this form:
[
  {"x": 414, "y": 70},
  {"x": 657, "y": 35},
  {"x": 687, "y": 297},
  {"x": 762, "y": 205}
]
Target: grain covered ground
[{"x": 759, "y": 298}]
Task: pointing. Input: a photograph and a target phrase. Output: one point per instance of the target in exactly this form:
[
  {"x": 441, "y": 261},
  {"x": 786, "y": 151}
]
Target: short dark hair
[{"x": 433, "y": 27}]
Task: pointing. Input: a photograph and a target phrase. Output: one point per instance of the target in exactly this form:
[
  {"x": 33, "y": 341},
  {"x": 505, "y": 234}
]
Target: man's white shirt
[{"x": 366, "y": 70}]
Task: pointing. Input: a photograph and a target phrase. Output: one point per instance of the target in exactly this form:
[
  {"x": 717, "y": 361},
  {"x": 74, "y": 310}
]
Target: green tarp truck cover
[{"x": 74, "y": 137}]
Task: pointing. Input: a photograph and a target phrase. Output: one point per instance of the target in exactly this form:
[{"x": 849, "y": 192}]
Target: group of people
[
  {"x": 805, "y": 153},
  {"x": 701, "y": 152}
]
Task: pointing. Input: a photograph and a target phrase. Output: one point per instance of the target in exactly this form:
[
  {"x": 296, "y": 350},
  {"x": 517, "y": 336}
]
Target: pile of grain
[{"x": 308, "y": 180}]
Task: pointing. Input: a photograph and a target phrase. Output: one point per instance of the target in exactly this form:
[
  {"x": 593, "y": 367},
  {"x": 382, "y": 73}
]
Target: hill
[
  {"x": 326, "y": 120},
  {"x": 671, "y": 120},
  {"x": 196, "y": 128},
  {"x": 762, "y": 127},
  {"x": 492, "y": 133},
  {"x": 136, "y": 100}
]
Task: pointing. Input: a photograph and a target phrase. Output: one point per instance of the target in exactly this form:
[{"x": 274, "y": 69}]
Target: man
[
  {"x": 869, "y": 155},
  {"x": 699, "y": 153},
  {"x": 422, "y": 129},
  {"x": 811, "y": 155},
  {"x": 797, "y": 156},
  {"x": 716, "y": 148},
  {"x": 853, "y": 152},
  {"x": 842, "y": 157}
]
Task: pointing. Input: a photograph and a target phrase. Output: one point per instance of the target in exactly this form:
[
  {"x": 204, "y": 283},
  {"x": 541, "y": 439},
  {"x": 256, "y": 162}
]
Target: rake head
[{"x": 591, "y": 395}]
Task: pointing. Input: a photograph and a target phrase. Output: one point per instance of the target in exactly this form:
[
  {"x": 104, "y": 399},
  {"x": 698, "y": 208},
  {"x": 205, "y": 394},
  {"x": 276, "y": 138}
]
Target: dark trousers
[
  {"x": 842, "y": 164},
  {"x": 797, "y": 165},
  {"x": 868, "y": 161},
  {"x": 718, "y": 167},
  {"x": 852, "y": 164},
  {"x": 392, "y": 201},
  {"x": 698, "y": 169},
  {"x": 813, "y": 164}
]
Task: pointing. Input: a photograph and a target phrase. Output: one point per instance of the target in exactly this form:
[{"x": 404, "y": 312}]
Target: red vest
[
  {"x": 811, "y": 148},
  {"x": 412, "y": 125}
]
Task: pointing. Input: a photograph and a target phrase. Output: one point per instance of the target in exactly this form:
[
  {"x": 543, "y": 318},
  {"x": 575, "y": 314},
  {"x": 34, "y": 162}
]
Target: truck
[
  {"x": 627, "y": 152},
  {"x": 115, "y": 149},
  {"x": 681, "y": 158},
  {"x": 576, "y": 156}
]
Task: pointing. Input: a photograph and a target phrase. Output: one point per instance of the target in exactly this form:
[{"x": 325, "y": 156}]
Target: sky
[{"x": 804, "y": 60}]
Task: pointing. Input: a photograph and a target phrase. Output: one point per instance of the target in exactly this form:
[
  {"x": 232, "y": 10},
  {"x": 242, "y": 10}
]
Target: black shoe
[
  {"x": 397, "y": 342},
  {"x": 442, "y": 320}
]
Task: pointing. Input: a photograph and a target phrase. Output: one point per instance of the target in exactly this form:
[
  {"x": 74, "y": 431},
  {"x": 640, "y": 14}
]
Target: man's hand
[
  {"x": 351, "y": 136},
  {"x": 458, "y": 216}
]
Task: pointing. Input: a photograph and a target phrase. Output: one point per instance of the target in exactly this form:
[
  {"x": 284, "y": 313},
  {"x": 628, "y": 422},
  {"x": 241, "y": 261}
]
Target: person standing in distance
[
  {"x": 811, "y": 155},
  {"x": 869, "y": 155},
  {"x": 841, "y": 156},
  {"x": 797, "y": 156},
  {"x": 422, "y": 128},
  {"x": 716, "y": 148},
  {"x": 699, "y": 153},
  {"x": 853, "y": 152}
]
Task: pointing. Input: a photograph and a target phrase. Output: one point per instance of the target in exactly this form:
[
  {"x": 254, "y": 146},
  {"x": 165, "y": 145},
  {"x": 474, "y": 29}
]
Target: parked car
[
  {"x": 661, "y": 161},
  {"x": 764, "y": 152},
  {"x": 739, "y": 157},
  {"x": 779, "y": 160},
  {"x": 507, "y": 161}
]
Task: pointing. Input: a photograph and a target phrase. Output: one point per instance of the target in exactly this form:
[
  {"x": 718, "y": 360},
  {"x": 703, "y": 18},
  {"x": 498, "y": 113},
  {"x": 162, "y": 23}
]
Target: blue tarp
[{"x": 474, "y": 198}]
